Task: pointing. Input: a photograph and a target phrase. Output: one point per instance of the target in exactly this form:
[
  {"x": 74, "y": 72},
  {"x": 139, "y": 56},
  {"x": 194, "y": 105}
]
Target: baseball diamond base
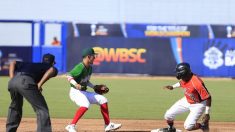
[{"x": 161, "y": 130}]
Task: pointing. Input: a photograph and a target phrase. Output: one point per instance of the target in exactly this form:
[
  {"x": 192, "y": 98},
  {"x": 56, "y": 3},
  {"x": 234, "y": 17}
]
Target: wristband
[
  {"x": 72, "y": 81},
  {"x": 207, "y": 110},
  {"x": 176, "y": 85}
]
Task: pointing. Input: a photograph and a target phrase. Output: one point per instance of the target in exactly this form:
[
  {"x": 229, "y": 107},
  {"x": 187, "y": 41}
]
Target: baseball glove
[{"x": 101, "y": 89}]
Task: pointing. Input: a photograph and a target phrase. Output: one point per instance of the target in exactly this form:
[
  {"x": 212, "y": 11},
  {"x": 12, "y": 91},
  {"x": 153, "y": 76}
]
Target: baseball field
[{"x": 139, "y": 103}]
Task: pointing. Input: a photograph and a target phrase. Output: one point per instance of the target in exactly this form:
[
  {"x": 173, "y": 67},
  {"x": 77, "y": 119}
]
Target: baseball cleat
[
  {"x": 112, "y": 126},
  {"x": 205, "y": 127},
  {"x": 70, "y": 128}
]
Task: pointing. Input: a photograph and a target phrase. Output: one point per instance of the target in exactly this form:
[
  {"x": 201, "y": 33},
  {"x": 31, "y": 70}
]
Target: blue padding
[{"x": 36, "y": 54}]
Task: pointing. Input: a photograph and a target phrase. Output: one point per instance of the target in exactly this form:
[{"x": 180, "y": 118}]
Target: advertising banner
[
  {"x": 100, "y": 29},
  {"x": 210, "y": 57},
  {"x": 8, "y": 54},
  {"x": 164, "y": 30},
  {"x": 151, "y": 56},
  {"x": 223, "y": 31}
]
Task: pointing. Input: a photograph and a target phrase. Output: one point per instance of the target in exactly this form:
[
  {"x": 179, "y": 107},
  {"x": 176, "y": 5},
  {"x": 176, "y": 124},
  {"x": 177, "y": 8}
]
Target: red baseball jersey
[{"x": 195, "y": 90}]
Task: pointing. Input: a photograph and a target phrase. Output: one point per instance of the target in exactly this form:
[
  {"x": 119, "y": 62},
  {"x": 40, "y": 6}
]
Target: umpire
[{"x": 26, "y": 80}]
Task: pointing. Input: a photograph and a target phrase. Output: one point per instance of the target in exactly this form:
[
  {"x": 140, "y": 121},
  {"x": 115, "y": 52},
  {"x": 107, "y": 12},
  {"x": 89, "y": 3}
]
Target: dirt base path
[{"x": 96, "y": 125}]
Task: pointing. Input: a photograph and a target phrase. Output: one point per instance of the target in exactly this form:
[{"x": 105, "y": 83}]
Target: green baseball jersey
[{"x": 81, "y": 74}]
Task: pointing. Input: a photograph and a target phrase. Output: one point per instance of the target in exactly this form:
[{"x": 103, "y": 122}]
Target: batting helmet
[{"x": 183, "y": 71}]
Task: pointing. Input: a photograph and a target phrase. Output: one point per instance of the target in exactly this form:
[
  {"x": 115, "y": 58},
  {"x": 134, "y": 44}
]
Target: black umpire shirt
[{"x": 34, "y": 70}]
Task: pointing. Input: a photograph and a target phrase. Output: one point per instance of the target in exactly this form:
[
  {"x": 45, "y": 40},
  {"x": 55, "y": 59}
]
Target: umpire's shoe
[
  {"x": 112, "y": 126},
  {"x": 168, "y": 129}
]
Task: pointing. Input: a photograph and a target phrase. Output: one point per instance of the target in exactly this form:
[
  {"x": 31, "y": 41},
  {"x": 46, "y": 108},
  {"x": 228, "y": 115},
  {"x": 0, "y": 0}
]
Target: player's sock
[
  {"x": 79, "y": 114},
  {"x": 105, "y": 112}
]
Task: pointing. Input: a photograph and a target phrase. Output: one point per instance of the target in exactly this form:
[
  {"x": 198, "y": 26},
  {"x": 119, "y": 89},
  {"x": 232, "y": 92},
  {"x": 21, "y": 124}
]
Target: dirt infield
[{"x": 96, "y": 125}]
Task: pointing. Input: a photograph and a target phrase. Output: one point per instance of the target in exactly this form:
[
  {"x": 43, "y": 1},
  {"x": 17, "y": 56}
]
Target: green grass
[{"x": 128, "y": 99}]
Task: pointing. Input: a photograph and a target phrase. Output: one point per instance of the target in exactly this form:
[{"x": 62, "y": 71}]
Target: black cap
[
  {"x": 48, "y": 58},
  {"x": 88, "y": 51}
]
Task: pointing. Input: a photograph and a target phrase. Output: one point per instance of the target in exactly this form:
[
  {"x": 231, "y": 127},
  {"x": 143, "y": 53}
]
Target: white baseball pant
[
  {"x": 85, "y": 98},
  {"x": 181, "y": 106}
]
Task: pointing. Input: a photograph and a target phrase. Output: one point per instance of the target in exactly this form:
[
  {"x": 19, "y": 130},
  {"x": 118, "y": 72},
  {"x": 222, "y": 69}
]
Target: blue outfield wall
[
  {"x": 151, "y": 56},
  {"x": 210, "y": 57},
  {"x": 156, "y": 56},
  {"x": 28, "y": 54},
  {"x": 155, "y": 49},
  {"x": 10, "y": 53},
  {"x": 34, "y": 50},
  {"x": 152, "y": 49}
]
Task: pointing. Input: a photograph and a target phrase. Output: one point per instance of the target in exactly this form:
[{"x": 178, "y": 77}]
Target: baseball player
[
  {"x": 26, "y": 80},
  {"x": 197, "y": 100},
  {"x": 79, "y": 78}
]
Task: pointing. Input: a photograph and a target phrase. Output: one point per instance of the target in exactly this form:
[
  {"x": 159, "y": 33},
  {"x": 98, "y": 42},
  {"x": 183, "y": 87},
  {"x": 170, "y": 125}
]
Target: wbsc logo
[{"x": 122, "y": 55}]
